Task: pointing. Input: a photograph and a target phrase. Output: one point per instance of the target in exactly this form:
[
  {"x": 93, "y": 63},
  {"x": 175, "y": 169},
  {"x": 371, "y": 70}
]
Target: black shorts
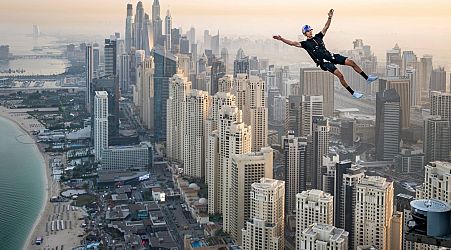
[{"x": 329, "y": 65}]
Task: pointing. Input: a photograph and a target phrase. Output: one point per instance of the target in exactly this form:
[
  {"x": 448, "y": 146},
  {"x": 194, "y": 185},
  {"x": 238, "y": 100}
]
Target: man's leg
[
  {"x": 342, "y": 79},
  {"x": 356, "y": 67}
]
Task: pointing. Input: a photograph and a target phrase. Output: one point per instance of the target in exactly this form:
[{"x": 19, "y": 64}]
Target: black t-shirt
[{"x": 316, "y": 49}]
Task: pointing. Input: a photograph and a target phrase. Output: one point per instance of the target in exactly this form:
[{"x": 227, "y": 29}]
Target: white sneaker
[
  {"x": 371, "y": 79},
  {"x": 357, "y": 95}
]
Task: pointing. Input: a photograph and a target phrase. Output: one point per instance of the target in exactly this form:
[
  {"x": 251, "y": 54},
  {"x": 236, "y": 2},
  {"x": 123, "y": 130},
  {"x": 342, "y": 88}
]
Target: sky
[{"x": 422, "y": 26}]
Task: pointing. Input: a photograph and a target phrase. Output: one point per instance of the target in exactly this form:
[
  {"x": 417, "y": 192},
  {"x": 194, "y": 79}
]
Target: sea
[{"x": 22, "y": 173}]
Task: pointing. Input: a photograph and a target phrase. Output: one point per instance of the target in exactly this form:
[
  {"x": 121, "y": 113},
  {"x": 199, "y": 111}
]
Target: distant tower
[
  {"x": 129, "y": 28},
  {"x": 110, "y": 57},
  {"x": 155, "y": 10},
  {"x": 388, "y": 124},
  {"x": 89, "y": 59},
  {"x": 100, "y": 123},
  {"x": 167, "y": 30}
]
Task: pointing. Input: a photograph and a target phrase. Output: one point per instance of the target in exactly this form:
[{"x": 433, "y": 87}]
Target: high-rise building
[
  {"x": 316, "y": 82},
  {"x": 191, "y": 34},
  {"x": 215, "y": 44},
  {"x": 96, "y": 59},
  {"x": 168, "y": 30},
  {"x": 129, "y": 28},
  {"x": 312, "y": 206},
  {"x": 324, "y": 236},
  {"x": 402, "y": 86},
  {"x": 165, "y": 68},
  {"x": 255, "y": 112},
  {"x": 396, "y": 231},
  {"x": 441, "y": 105},
  {"x": 409, "y": 161},
  {"x": 437, "y": 176},
  {"x": 415, "y": 92},
  {"x": 320, "y": 139},
  {"x": 293, "y": 115},
  {"x": 241, "y": 63},
  {"x": 110, "y": 57},
  {"x": 311, "y": 106},
  {"x": 225, "y": 58},
  {"x": 409, "y": 60},
  {"x": 217, "y": 71},
  {"x": 246, "y": 169},
  {"x": 197, "y": 105},
  {"x": 145, "y": 82},
  {"x": 425, "y": 84},
  {"x": 124, "y": 72},
  {"x": 100, "y": 123},
  {"x": 179, "y": 88},
  {"x": 346, "y": 177},
  {"x": 402, "y": 204},
  {"x": 438, "y": 79},
  {"x": 265, "y": 229},
  {"x": 139, "y": 26},
  {"x": 374, "y": 211},
  {"x": 225, "y": 84},
  {"x": 437, "y": 134},
  {"x": 184, "y": 45},
  {"x": 295, "y": 156},
  {"x": 237, "y": 140},
  {"x": 89, "y": 76},
  {"x": 218, "y": 149},
  {"x": 388, "y": 124},
  {"x": 394, "y": 56},
  {"x": 111, "y": 86}
]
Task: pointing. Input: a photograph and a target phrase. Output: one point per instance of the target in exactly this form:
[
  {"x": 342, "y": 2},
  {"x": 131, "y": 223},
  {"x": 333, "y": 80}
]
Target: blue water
[{"x": 21, "y": 185}]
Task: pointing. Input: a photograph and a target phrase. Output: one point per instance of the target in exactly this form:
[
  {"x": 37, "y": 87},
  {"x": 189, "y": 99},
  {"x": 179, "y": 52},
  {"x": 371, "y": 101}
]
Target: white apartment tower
[
  {"x": 179, "y": 87},
  {"x": 100, "y": 123},
  {"x": 265, "y": 229},
  {"x": 312, "y": 206},
  {"x": 374, "y": 211},
  {"x": 246, "y": 169},
  {"x": 197, "y": 104}
]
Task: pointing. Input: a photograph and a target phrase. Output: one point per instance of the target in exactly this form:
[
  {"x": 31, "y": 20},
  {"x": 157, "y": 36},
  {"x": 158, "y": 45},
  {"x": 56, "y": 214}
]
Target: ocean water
[{"x": 21, "y": 185}]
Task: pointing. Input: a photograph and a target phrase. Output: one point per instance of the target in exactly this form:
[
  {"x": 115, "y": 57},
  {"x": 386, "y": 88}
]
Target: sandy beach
[{"x": 51, "y": 212}]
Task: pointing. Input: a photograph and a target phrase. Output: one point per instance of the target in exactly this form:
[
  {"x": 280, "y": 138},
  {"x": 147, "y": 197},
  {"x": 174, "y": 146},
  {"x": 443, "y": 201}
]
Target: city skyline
[{"x": 380, "y": 25}]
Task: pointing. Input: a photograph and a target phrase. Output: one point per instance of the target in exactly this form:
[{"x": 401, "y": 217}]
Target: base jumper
[{"x": 314, "y": 45}]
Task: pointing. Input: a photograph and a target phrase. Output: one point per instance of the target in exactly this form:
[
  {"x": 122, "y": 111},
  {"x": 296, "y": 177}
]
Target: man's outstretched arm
[
  {"x": 331, "y": 13},
  {"x": 289, "y": 42}
]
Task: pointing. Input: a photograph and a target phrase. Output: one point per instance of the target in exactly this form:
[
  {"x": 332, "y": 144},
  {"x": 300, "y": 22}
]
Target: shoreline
[{"x": 45, "y": 205}]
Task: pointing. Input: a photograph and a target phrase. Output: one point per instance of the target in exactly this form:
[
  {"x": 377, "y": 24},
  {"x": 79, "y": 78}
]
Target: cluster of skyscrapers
[{"x": 214, "y": 116}]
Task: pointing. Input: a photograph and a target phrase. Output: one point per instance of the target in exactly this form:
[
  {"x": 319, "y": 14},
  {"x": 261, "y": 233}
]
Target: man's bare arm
[
  {"x": 331, "y": 13},
  {"x": 289, "y": 42}
]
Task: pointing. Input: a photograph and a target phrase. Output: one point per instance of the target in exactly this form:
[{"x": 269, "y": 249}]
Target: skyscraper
[
  {"x": 255, "y": 112},
  {"x": 394, "y": 56},
  {"x": 157, "y": 23},
  {"x": 311, "y": 106},
  {"x": 237, "y": 140},
  {"x": 215, "y": 44},
  {"x": 438, "y": 79},
  {"x": 388, "y": 124},
  {"x": 168, "y": 30},
  {"x": 100, "y": 123},
  {"x": 312, "y": 206},
  {"x": 179, "y": 87},
  {"x": 110, "y": 56},
  {"x": 402, "y": 85},
  {"x": 165, "y": 68},
  {"x": 441, "y": 105},
  {"x": 425, "y": 84},
  {"x": 323, "y": 236},
  {"x": 246, "y": 169},
  {"x": 217, "y": 71},
  {"x": 145, "y": 81},
  {"x": 265, "y": 229},
  {"x": 241, "y": 63},
  {"x": 437, "y": 137},
  {"x": 96, "y": 59},
  {"x": 197, "y": 105},
  {"x": 320, "y": 143},
  {"x": 89, "y": 75},
  {"x": 374, "y": 210},
  {"x": 124, "y": 72},
  {"x": 437, "y": 176},
  {"x": 129, "y": 28},
  {"x": 139, "y": 26},
  {"x": 347, "y": 176},
  {"x": 295, "y": 153},
  {"x": 316, "y": 82}
]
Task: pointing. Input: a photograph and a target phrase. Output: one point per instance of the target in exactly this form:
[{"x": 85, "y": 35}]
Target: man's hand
[
  {"x": 331, "y": 13},
  {"x": 278, "y": 37}
]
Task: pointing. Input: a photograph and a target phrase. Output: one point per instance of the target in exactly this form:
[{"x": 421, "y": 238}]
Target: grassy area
[{"x": 84, "y": 199}]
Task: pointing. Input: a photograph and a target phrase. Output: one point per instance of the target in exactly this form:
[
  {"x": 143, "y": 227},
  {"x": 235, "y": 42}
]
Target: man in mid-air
[{"x": 314, "y": 45}]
